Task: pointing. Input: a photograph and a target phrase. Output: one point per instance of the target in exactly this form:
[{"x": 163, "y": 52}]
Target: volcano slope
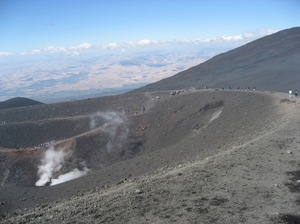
[
  {"x": 196, "y": 157},
  {"x": 269, "y": 63}
]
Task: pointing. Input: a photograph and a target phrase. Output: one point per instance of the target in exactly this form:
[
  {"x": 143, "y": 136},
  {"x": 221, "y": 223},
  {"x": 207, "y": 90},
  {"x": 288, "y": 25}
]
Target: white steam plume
[
  {"x": 51, "y": 163},
  {"x": 112, "y": 123},
  {"x": 111, "y": 118},
  {"x": 215, "y": 115},
  {"x": 76, "y": 173}
]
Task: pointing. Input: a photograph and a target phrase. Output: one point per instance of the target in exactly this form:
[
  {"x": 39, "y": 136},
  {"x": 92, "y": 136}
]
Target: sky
[
  {"x": 35, "y": 24},
  {"x": 38, "y": 29}
]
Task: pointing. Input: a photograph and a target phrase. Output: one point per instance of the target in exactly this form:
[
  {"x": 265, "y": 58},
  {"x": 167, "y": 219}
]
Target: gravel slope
[{"x": 240, "y": 167}]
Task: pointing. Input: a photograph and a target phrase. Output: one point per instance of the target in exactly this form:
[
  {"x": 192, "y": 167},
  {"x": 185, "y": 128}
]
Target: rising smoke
[
  {"x": 76, "y": 173},
  {"x": 112, "y": 123},
  {"x": 52, "y": 162},
  {"x": 215, "y": 115}
]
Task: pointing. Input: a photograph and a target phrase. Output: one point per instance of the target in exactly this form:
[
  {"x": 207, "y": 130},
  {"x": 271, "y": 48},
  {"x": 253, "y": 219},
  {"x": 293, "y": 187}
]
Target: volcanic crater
[
  {"x": 101, "y": 132},
  {"x": 113, "y": 139}
]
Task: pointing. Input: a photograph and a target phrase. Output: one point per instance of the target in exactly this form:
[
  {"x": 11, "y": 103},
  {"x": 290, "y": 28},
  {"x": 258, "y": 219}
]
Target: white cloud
[
  {"x": 73, "y": 50},
  {"x": 246, "y": 36},
  {"x": 144, "y": 42},
  {"x": 76, "y": 50},
  {"x": 132, "y": 44},
  {"x": 52, "y": 49},
  {"x": 81, "y": 46},
  {"x": 5, "y": 53},
  {"x": 111, "y": 46},
  {"x": 232, "y": 38},
  {"x": 36, "y": 51},
  {"x": 32, "y": 52},
  {"x": 75, "y": 53}
]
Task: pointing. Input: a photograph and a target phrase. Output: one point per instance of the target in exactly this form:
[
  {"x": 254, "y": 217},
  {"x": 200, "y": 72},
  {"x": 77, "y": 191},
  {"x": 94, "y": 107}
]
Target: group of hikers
[
  {"x": 238, "y": 88},
  {"x": 293, "y": 93}
]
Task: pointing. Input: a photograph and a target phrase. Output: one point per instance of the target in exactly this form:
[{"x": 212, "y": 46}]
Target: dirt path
[{"x": 255, "y": 182}]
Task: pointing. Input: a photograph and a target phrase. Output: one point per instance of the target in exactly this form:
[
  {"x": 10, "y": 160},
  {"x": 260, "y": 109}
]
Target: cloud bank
[
  {"x": 5, "y": 53},
  {"x": 81, "y": 48}
]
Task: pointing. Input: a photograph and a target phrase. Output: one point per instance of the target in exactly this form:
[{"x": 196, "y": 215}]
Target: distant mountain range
[
  {"x": 18, "y": 102},
  {"x": 269, "y": 63}
]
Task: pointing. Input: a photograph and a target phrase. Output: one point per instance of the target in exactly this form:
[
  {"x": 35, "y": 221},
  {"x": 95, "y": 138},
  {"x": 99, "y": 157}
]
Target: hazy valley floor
[{"x": 255, "y": 180}]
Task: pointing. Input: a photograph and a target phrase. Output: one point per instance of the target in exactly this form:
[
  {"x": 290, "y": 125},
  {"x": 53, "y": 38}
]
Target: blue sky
[{"x": 35, "y": 24}]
